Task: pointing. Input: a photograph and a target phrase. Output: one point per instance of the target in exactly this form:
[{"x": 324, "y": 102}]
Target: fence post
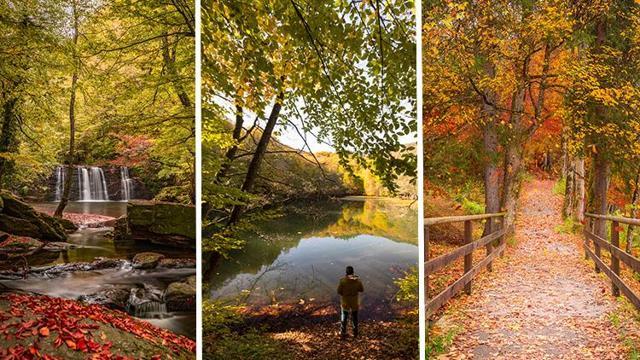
[
  {"x": 490, "y": 244},
  {"x": 586, "y": 239},
  {"x": 615, "y": 262},
  {"x": 468, "y": 259},
  {"x": 426, "y": 258},
  {"x": 602, "y": 226},
  {"x": 503, "y": 238}
]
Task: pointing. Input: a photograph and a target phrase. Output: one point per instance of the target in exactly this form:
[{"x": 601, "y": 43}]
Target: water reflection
[
  {"x": 302, "y": 254},
  {"x": 105, "y": 208}
]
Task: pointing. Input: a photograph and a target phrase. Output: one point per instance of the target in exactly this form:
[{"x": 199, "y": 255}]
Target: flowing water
[
  {"x": 303, "y": 254},
  {"x": 91, "y": 184},
  {"x": 147, "y": 286},
  {"x": 126, "y": 183}
]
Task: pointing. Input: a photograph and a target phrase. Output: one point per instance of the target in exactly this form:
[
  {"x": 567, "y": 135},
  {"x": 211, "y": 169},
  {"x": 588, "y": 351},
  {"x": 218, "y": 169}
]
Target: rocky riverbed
[{"x": 80, "y": 258}]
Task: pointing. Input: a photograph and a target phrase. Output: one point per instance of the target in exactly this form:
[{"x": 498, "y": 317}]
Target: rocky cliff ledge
[{"x": 19, "y": 218}]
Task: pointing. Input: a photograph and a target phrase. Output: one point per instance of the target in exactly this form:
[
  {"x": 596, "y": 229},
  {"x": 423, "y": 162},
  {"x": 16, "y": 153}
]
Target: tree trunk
[
  {"x": 491, "y": 174},
  {"x": 513, "y": 161},
  {"x": 579, "y": 189},
  {"x": 231, "y": 152},
  {"x": 170, "y": 66},
  {"x": 8, "y": 134},
  {"x": 634, "y": 202},
  {"x": 600, "y": 163},
  {"x": 72, "y": 118},
  {"x": 568, "y": 206},
  {"x": 258, "y": 156},
  {"x": 600, "y": 187},
  {"x": 169, "y": 59}
]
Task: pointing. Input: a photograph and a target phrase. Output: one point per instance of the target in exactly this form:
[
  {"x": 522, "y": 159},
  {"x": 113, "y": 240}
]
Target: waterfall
[
  {"x": 146, "y": 302},
  {"x": 85, "y": 185},
  {"x": 148, "y": 310},
  {"x": 126, "y": 183},
  {"x": 92, "y": 184},
  {"x": 59, "y": 182}
]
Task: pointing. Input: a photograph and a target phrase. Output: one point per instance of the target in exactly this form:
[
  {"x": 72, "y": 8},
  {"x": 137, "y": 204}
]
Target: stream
[
  {"x": 300, "y": 256},
  {"x": 146, "y": 287}
]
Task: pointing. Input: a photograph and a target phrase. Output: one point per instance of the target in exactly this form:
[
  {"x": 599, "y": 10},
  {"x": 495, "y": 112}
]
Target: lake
[{"x": 303, "y": 253}]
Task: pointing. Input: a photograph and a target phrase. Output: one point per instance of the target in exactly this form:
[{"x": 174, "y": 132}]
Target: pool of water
[
  {"x": 106, "y": 208},
  {"x": 303, "y": 254}
]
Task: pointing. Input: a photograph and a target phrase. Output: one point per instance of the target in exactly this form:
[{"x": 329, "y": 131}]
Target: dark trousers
[{"x": 344, "y": 319}]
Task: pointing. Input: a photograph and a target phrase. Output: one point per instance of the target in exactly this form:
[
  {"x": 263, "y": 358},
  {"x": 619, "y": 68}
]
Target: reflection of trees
[
  {"x": 386, "y": 218},
  {"x": 392, "y": 219}
]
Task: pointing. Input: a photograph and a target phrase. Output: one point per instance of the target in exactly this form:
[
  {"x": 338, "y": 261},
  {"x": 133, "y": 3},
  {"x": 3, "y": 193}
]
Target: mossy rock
[
  {"x": 68, "y": 225},
  {"x": 19, "y": 218},
  {"x": 181, "y": 296},
  {"x": 162, "y": 218},
  {"x": 147, "y": 260},
  {"x": 20, "y": 243}
]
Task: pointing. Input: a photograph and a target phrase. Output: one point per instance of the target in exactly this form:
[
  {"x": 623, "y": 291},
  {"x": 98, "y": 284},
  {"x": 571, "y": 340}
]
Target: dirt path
[{"x": 543, "y": 301}]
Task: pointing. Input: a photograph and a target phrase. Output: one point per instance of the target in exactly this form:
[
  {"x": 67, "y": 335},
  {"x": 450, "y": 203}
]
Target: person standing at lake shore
[{"x": 349, "y": 288}]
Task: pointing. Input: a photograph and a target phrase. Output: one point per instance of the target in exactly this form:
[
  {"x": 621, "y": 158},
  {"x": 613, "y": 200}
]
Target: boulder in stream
[
  {"x": 163, "y": 223},
  {"x": 113, "y": 298},
  {"x": 181, "y": 296},
  {"x": 146, "y": 302},
  {"x": 20, "y": 244},
  {"x": 146, "y": 260},
  {"x": 167, "y": 263},
  {"x": 19, "y": 218}
]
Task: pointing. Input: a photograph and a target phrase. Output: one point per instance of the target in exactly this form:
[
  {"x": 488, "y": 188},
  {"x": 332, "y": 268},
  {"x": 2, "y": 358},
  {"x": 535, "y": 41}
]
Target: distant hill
[{"x": 288, "y": 173}]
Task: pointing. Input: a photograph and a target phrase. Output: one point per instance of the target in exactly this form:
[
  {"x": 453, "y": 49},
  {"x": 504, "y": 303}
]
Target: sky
[{"x": 289, "y": 135}]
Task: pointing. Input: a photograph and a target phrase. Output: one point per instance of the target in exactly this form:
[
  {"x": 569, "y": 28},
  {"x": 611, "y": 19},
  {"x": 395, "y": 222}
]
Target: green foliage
[
  {"x": 568, "y": 226},
  {"x": 135, "y": 93},
  {"x": 218, "y": 317},
  {"x": 304, "y": 50},
  {"x": 439, "y": 343},
  {"x": 471, "y": 207},
  {"x": 560, "y": 186},
  {"x": 217, "y": 321},
  {"x": 408, "y": 286}
]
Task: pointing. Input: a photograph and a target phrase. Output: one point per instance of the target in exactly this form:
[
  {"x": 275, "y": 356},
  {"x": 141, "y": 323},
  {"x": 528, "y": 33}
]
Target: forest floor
[
  {"x": 543, "y": 300},
  {"x": 304, "y": 332},
  {"x": 37, "y": 326}
]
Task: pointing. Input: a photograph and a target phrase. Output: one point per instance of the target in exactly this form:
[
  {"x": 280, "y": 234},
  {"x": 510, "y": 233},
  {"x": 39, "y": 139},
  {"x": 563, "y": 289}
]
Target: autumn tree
[
  {"x": 602, "y": 99},
  {"x": 343, "y": 70},
  {"x": 489, "y": 68}
]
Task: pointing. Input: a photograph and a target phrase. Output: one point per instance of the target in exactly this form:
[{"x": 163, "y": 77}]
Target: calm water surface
[{"x": 302, "y": 254}]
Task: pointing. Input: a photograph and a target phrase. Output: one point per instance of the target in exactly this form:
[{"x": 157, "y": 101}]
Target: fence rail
[
  {"x": 496, "y": 237},
  {"x": 617, "y": 254}
]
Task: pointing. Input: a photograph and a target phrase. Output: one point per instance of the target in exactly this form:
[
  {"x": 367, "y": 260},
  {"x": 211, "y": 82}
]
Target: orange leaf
[
  {"x": 71, "y": 344},
  {"x": 44, "y": 331}
]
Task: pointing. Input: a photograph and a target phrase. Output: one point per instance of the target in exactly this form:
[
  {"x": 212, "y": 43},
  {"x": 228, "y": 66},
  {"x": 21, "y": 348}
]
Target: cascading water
[
  {"x": 146, "y": 302},
  {"x": 92, "y": 184},
  {"x": 85, "y": 185},
  {"x": 126, "y": 183},
  {"x": 59, "y": 182}
]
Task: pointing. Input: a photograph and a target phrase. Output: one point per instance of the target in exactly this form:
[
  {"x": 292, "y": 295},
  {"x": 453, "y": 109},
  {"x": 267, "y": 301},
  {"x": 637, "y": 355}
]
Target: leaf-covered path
[{"x": 543, "y": 300}]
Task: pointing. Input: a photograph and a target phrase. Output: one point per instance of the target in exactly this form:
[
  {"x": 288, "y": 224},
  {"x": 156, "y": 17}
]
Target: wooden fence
[
  {"x": 495, "y": 237},
  {"x": 617, "y": 254}
]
